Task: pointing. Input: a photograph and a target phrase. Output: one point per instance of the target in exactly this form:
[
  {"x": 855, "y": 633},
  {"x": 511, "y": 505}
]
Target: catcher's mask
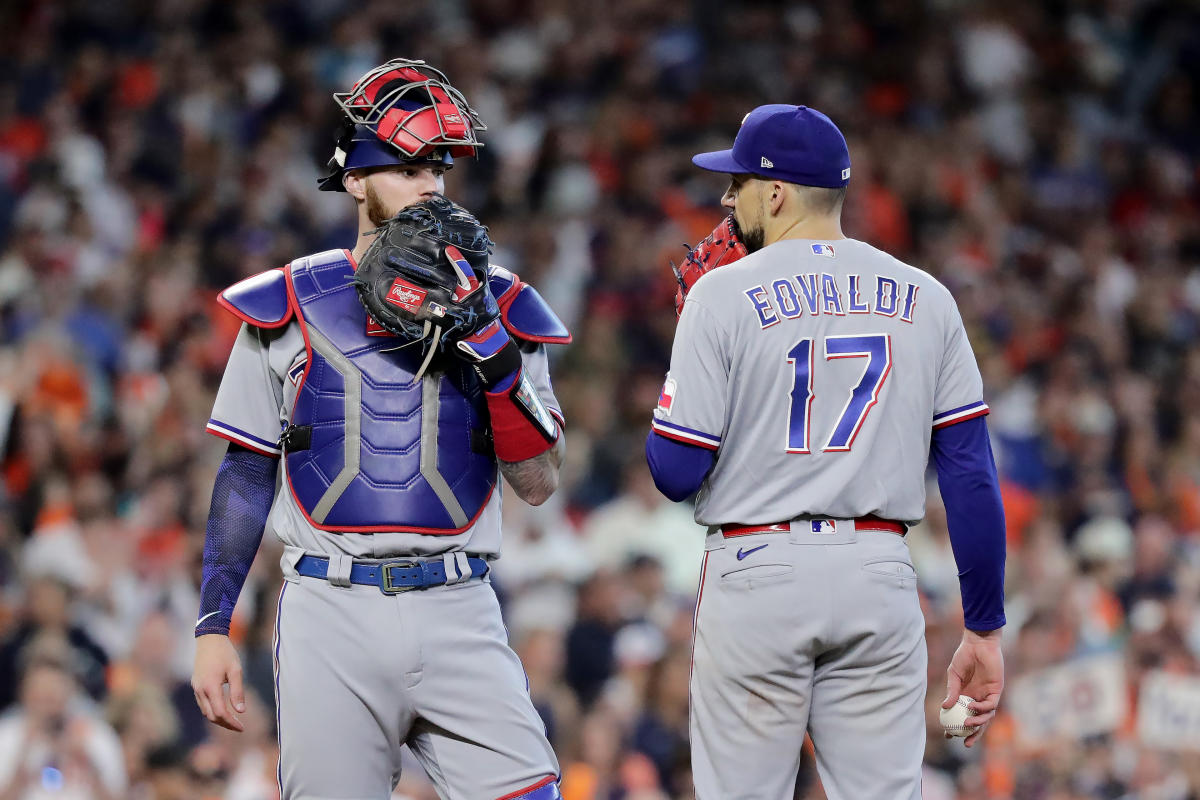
[{"x": 401, "y": 112}]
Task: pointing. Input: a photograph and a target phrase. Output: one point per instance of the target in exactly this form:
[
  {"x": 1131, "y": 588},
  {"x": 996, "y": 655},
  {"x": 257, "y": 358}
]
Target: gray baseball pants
[
  {"x": 801, "y": 631},
  {"x": 360, "y": 673}
]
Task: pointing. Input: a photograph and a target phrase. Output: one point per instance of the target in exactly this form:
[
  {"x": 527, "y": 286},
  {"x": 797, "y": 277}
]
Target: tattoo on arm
[{"x": 535, "y": 479}]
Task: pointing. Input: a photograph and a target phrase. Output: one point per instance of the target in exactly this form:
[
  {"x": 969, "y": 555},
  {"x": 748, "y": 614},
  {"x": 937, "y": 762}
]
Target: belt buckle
[{"x": 386, "y": 585}]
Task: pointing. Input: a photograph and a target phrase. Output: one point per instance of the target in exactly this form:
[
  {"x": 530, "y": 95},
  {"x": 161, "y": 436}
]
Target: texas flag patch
[
  {"x": 824, "y": 250},
  {"x": 666, "y": 397}
]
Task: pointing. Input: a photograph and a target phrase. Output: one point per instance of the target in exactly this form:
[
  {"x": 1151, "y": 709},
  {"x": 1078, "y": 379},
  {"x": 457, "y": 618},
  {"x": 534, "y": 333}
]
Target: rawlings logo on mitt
[
  {"x": 722, "y": 246},
  {"x": 406, "y": 296}
]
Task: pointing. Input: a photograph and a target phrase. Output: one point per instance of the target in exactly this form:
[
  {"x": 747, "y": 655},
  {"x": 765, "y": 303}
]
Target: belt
[
  {"x": 868, "y": 523},
  {"x": 392, "y": 577}
]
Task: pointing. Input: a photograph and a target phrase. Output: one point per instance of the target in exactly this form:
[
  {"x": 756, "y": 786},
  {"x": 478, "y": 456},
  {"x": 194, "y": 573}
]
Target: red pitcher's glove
[{"x": 722, "y": 246}]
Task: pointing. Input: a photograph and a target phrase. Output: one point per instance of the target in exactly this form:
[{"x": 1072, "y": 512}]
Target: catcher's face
[
  {"x": 745, "y": 199},
  {"x": 386, "y": 190}
]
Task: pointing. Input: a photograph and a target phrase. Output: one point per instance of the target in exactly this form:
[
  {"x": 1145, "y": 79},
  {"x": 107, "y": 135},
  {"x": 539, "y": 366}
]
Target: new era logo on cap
[{"x": 766, "y": 163}]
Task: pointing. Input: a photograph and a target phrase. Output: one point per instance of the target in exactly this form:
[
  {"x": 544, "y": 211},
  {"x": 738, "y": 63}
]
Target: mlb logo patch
[
  {"x": 666, "y": 397},
  {"x": 824, "y": 526},
  {"x": 824, "y": 250},
  {"x": 405, "y": 295}
]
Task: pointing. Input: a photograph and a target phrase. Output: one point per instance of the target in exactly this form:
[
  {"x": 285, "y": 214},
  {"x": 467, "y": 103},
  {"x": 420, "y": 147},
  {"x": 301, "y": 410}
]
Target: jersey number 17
[{"x": 876, "y": 349}]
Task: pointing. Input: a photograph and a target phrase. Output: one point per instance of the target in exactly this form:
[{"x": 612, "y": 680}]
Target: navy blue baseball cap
[{"x": 796, "y": 144}]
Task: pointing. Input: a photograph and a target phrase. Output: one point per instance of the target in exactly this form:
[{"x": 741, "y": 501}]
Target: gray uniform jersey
[
  {"x": 817, "y": 371},
  {"x": 254, "y": 404}
]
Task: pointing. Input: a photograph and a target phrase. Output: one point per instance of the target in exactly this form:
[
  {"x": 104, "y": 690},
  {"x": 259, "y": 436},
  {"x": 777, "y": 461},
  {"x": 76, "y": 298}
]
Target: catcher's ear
[{"x": 355, "y": 182}]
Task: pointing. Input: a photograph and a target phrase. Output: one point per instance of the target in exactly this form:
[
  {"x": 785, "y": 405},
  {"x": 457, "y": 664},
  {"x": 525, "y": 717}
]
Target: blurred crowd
[{"x": 1040, "y": 158}]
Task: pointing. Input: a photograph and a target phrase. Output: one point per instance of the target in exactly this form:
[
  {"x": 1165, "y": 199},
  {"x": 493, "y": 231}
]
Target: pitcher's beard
[{"x": 754, "y": 238}]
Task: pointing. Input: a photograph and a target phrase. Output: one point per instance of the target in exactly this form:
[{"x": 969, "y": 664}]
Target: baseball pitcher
[
  {"x": 812, "y": 376},
  {"x": 372, "y": 400}
]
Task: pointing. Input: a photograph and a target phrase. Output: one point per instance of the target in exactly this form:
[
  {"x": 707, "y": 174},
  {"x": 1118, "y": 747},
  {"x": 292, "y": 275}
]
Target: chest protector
[{"x": 368, "y": 449}]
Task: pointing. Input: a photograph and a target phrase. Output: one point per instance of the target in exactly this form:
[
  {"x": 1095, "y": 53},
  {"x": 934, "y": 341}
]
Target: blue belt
[{"x": 392, "y": 577}]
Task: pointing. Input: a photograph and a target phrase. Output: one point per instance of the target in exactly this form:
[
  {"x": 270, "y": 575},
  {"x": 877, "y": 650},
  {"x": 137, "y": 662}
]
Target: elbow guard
[{"x": 522, "y": 426}]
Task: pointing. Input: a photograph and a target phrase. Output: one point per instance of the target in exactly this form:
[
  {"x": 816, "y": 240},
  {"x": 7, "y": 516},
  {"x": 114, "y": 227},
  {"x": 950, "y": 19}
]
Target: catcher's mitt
[
  {"x": 722, "y": 246},
  {"x": 424, "y": 278}
]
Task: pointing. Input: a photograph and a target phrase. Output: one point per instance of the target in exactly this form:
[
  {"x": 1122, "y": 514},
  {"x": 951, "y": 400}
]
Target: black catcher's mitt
[{"x": 424, "y": 278}]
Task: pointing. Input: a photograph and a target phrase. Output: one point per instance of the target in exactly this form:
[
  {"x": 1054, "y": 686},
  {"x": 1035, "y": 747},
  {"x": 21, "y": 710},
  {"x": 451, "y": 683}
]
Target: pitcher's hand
[{"x": 977, "y": 670}]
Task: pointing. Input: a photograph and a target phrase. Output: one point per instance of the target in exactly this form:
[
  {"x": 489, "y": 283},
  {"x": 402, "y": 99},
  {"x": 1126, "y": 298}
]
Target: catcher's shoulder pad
[
  {"x": 525, "y": 314},
  {"x": 260, "y": 300}
]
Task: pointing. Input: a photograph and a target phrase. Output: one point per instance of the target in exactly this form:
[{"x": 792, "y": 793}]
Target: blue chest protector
[{"x": 368, "y": 449}]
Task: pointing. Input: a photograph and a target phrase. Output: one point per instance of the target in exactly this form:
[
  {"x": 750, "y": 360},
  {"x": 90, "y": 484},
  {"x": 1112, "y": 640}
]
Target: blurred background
[{"x": 1040, "y": 158}]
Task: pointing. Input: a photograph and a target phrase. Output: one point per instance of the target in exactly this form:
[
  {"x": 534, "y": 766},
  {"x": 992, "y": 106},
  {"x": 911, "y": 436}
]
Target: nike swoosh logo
[
  {"x": 743, "y": 553},
  {"x": 212, "y": 613}
]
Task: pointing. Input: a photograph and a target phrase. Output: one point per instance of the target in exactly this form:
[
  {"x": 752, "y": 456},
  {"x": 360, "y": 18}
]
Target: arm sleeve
[
  {"x": 242, "y": 495},
  {"x": 691, "y": 408},
  {"x": 678, "y": 469},
  {"x": 970, "y": 490}
]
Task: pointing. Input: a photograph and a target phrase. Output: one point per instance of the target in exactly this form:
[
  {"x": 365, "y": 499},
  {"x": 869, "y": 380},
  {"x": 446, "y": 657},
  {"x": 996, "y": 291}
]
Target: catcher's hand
[
  {"x": 722, "y": 246},
  {"x": 424, "y": 278}
]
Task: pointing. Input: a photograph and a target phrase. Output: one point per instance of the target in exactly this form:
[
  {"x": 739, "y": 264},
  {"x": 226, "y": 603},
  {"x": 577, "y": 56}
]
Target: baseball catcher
[{"x": 373, "y": 399}]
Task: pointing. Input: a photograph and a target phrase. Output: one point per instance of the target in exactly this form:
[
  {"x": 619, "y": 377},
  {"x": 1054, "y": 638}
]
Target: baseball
[{"x": 952, "y": 718}]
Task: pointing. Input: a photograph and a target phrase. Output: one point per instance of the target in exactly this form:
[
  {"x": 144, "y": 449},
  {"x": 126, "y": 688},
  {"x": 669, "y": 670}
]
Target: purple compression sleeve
[
  {"x": 242, "y": 495},
  {"x": 678, "y": 469},
  {"x": 970, "y": 489}
]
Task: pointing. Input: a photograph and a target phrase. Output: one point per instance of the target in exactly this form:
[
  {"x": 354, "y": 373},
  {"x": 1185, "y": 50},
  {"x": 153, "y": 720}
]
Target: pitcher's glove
[
  {"x": 424, "y": 279},
  {"x": 722, "y": 246}
]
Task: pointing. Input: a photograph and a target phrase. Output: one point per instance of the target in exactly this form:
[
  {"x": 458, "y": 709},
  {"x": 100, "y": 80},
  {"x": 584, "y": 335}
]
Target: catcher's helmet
[{"x": 401, "y": 112}]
